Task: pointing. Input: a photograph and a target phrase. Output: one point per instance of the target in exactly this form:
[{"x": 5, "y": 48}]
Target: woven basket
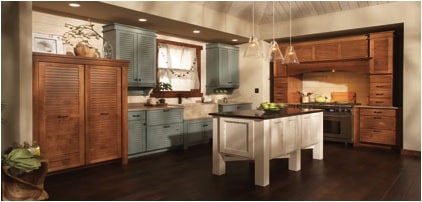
[{"x": 26, "y": 186}]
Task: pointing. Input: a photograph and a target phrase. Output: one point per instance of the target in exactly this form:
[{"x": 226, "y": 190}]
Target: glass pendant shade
[
  {"x": 253, "y": 49},
  {"x": 274, "y": 53},
  {"x": 290, "y": 56}
]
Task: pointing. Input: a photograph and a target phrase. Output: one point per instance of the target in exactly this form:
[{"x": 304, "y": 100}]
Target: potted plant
[{"x": 163, "y": 86}]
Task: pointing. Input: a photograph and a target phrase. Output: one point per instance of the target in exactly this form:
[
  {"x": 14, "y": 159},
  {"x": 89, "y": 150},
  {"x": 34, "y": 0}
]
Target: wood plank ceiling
[{"x": 300, "y": 9}]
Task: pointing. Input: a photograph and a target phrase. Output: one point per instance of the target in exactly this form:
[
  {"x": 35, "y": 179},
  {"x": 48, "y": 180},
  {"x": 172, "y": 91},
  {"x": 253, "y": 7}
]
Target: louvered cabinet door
[
  {"x": 61, "y": 114},
  {"x": 103, "y": 113}
]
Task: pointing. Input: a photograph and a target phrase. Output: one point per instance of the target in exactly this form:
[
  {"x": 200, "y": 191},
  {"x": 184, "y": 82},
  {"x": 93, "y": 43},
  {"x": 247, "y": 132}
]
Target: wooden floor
[{"x": 344, "y": 174}]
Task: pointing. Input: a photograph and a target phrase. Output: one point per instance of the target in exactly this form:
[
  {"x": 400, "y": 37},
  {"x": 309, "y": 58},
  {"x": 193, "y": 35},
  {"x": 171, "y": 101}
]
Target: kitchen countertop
[
  {"x": 233, "y": 103},
  {"x": 375, "y": 107},
  {"x": 141, "y": 106},
  {"x": 260, "y": 114}
]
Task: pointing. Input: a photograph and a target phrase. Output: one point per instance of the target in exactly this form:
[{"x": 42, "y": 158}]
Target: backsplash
[{"x": 323, "y": 83}]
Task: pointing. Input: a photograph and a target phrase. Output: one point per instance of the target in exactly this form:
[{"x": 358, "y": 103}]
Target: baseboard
[{"x": 410, "y": 152}]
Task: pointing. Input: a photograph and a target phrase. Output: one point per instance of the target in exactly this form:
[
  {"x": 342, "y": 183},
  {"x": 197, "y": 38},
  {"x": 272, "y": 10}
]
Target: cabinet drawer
[
  {"x": 378, "y": 122},
  {"x": 378, "y": 136},
  {"x": 378, "y": 112},
  {"x": 381, "y": 86},
  {"x": 383, "y": 102},
  {"x": 381, "y": 78},
  {"x": 164, "y": 116},
  {"x": 163, "y": 136},
  {"x": 136, "y": 137},
  {"x": 138, "y": 115},
  {"x": 381, "y": 94}
]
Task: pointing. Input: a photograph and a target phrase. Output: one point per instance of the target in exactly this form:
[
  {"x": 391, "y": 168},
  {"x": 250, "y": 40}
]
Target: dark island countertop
[{"x": 261, "y": 114}]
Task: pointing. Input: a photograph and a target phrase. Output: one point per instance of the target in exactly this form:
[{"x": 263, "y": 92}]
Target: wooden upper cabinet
[
  {"x": 381, "y": 52},
  {"x": 103, "y": 109},
  {"x": 279, "y": 69}
]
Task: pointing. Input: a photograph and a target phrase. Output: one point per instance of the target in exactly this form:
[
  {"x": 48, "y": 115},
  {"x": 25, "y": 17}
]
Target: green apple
[
  {"x": 265, "y": 105},
  {"x": 281, "y": 105},
  {"x": 273, "y": 105}
]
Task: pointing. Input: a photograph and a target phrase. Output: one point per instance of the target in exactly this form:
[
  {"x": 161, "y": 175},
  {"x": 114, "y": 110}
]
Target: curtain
[{"x": 177, "y": 65}]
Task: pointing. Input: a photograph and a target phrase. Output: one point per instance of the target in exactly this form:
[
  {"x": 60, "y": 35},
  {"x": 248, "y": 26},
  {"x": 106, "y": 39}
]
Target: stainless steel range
[{"x": 338, "y": 120}]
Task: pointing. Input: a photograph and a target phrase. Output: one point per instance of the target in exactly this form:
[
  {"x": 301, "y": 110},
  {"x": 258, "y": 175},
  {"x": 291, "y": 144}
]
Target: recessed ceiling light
[
  {"x": 196, "y": 31},
  {"x": 75, "y": 5},
  {"x": 142, "y": 20},
  {"x": 234, "y": 40}
]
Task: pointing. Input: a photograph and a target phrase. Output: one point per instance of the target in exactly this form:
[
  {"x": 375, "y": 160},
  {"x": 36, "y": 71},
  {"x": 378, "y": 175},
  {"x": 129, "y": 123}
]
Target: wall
[
  {"x": 323, "y": 83},
  {"x": 407, "y": 12},
  {"x": 16, "y": 74}
]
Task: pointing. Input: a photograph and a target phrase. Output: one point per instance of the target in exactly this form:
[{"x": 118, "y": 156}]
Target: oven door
[{"x": 338, "y": 127}]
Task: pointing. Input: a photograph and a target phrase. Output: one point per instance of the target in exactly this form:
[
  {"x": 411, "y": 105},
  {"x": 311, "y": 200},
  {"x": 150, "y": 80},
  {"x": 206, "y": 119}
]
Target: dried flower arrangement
[{"x": 79, "y": 36}]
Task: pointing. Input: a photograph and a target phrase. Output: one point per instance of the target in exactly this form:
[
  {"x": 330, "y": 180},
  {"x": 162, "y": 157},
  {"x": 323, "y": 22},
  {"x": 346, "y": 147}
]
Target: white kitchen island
[{"x": 261, "y": 136}]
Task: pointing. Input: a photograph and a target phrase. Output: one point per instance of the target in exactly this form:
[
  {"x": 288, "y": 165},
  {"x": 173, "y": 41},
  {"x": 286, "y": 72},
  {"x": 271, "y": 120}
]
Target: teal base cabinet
[
  {"x": 164, "y": 128},
  {"x": 197, "y": 131},
  {"x": 234, "y": 107},
  {"x": 136, "y": 132}
]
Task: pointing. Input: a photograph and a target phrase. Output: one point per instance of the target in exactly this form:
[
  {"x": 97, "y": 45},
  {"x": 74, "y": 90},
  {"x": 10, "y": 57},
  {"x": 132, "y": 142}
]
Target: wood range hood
[
  {"x": 345, "y": 54},
  {"x": 357, "y": 65}
]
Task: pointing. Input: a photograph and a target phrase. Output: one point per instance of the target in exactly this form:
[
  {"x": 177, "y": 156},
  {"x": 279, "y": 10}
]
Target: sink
[{"x": 197, "y": 110}]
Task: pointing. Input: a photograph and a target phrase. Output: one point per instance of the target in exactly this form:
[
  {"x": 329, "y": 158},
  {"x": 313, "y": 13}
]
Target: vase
[
  {"x": 108, "y": 50},
  {"x": 85, "y": 51}
]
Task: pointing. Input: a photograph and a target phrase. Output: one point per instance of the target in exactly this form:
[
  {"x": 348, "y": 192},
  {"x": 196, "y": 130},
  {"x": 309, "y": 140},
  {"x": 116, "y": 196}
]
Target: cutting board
[{"x": 343, "y": 97}]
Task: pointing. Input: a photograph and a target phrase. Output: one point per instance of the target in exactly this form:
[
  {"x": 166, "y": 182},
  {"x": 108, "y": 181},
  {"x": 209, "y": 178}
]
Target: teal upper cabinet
[
  {"x": 139, "y": 47},
  {"x": 222, "y": 66}
]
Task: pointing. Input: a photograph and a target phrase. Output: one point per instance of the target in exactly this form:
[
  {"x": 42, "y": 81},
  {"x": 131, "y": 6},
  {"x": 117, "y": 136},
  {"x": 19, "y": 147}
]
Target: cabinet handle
[
  {"x": 376, "y": 131},
  {"x": 377, "y": 117},
  {"x": 103, "y": 113},
  {"x": 379, "y": 101},
  {"x": 377, "y": 112},
  {"x": 62, "y": 117},
  {"x": 230, "y": 82},
  {"x": 166, "y": 126},
  {"x": 380, "y": 86},
  {"x": 136, "y": 115},
  {"x": 166, "y": 110},
  {"x": 205, "y": 125},
  {"x": 379, "y": 93}
]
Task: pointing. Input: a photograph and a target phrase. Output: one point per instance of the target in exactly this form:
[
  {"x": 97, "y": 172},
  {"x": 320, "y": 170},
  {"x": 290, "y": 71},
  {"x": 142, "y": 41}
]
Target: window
[{"x": 179, "y": 64}]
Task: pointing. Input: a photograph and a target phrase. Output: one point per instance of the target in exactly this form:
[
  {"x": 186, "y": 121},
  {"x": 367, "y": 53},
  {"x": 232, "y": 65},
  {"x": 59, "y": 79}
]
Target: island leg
[
  {"x": 262, "y": 153},
  {"x": 295, "y": 160},
  {"x": 318, "y": 150},
  {"x": 218, "y": 164}
]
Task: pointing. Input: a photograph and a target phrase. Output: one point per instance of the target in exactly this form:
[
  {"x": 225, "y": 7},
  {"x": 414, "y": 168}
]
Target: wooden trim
[
  {"x": 124, "y": 112},
  {"x": 175, "y": 94},
  {"x": 410, "y": 153}
]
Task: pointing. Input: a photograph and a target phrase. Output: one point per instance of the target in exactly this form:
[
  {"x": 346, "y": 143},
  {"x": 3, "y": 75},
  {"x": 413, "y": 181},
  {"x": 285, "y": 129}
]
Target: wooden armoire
[{"x": 79, "y": 110}]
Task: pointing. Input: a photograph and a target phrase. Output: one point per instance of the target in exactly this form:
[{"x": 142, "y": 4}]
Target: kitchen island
[{"x": 264, "y": 135}]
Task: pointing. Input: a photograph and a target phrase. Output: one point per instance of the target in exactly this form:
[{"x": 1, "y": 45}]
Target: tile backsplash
[{"x": 323, "y": 83}]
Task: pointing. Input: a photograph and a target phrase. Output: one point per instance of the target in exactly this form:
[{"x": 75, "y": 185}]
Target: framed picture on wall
[{"x": 47, "y": 43}]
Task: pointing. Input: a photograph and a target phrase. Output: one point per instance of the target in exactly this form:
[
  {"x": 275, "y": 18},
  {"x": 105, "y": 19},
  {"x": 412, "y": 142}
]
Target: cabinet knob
[{"x": 103, "y": 113}]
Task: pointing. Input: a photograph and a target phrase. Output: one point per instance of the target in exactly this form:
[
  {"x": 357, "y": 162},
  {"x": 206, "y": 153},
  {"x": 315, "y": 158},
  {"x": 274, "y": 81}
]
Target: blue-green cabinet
[
  {"x": 234, "y": 107},
  {"x": 164, "y": 128},
  {"x": 139, "y": 47},
  {"x": 197, "y": 131},
  {"x": 137, "y": 139},
  {"x": 222, "y": 66}
]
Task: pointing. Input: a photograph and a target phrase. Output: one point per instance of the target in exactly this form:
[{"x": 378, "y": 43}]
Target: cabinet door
[
  {"x": 103, "y": 113},
  {"x": 146, "y": 60},
  {"x": 137, "y": 137},
  {"x": 126, "y": 50},
  {"x": 227, "y": 108},
  {"x": 381, "y": 51},
  {"x": 164, "y": 136},
  {"x": 233, "y": 66},
  {"x": 61, "y": 114},
  {"x": 136, "y": 132},
  {"x": 311, "y": 124},
  {"x": 284, "y": 133},
  {"x": 198, "y": 131}
]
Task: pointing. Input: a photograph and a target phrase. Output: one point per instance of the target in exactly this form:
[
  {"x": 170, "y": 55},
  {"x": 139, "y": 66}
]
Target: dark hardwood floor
[{"x": 346, "y": 173}]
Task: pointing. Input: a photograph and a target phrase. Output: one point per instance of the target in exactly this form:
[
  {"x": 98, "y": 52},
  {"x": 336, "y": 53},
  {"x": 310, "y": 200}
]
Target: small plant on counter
[{"x": 162, "y": 86}]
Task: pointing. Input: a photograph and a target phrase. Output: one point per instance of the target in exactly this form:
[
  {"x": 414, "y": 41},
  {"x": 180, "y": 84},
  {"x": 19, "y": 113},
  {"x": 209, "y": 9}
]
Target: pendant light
[
  {"x": 290, "y": 55},
  {"x": 274, "y": 53},
  {"x": 253, "y": 49}
]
